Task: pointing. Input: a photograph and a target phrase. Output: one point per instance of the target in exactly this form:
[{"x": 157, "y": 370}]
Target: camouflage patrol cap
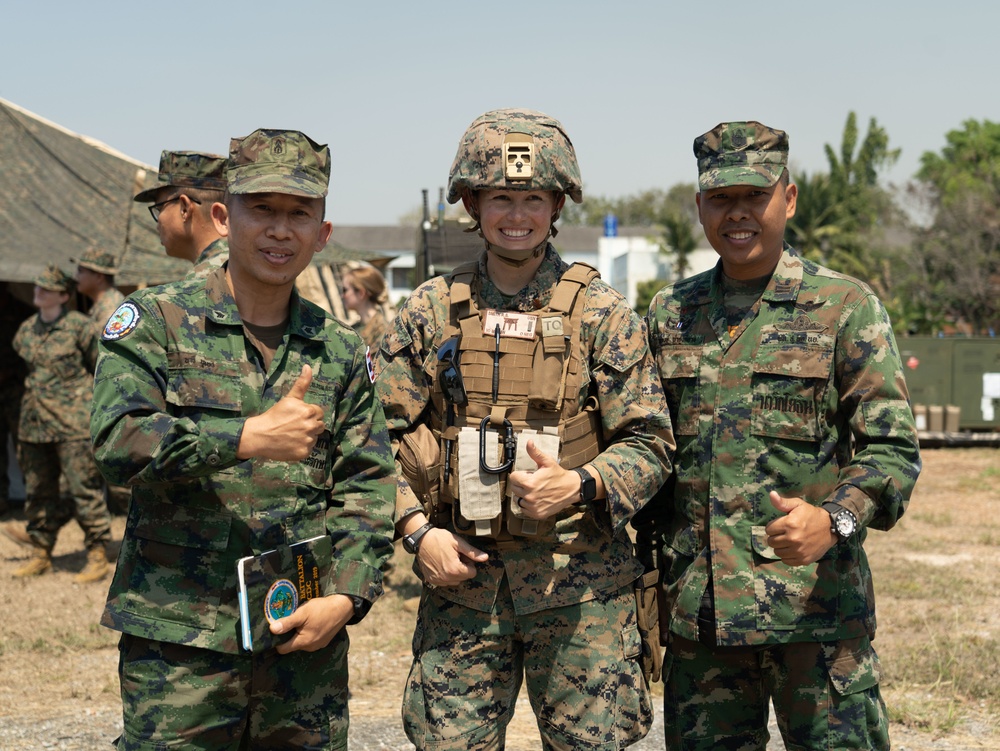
[
  {"x": 515, "y": 149},
  {"x": 187, "y": 169},
  {"x": 97, "y": 260},
  {"x": 54, "y": 279},
  {"x": 740, "y": 153},
  {"x": 279, "y": 161}
]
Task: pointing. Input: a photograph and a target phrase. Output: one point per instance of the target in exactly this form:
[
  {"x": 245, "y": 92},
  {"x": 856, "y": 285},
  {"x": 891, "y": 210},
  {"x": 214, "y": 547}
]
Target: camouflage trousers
[
  {"x": 46, "y": 510},
  {"x": 825, "y": 696},
  {"x": 177, "y": 696},
  {"x": 580, "y": 663}
]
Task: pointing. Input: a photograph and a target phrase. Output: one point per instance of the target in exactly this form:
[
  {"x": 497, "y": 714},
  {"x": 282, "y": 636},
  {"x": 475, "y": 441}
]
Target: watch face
[{"x": 845, "y": 524}]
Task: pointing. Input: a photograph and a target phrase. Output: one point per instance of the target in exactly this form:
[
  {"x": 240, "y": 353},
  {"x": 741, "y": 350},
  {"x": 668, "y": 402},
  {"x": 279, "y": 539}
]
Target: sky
[{"x": 391, "y": 85}]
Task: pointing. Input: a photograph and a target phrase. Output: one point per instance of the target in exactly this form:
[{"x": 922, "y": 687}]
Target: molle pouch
[
  {"x": 420, "y": 459},
  {"x": 547, "y": 442},
  {"x": 547, "y": 371},
  {"x": 480, "y": 508}
]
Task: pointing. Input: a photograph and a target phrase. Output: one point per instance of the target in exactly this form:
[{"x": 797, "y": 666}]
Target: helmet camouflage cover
[{"x": 515, "y": 149}]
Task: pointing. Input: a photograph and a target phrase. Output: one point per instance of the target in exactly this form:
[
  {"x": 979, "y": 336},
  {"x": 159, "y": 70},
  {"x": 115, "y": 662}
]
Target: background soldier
[
  {"x": 794, "y": 436},
  {"x": 95, "y": 278},
  {"x": 12, "y": 371},
  {"x": 60, "y": 349},
  {"x": 244, "y": 418},
  {"x": 189, "y": 183},
  {"x": 527, "y": 566},
  {"x": 364, "y": 292}
]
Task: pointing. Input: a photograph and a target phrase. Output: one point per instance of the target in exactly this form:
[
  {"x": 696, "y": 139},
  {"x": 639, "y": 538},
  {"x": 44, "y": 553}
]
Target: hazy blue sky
[{"x": 391, "y": 85}]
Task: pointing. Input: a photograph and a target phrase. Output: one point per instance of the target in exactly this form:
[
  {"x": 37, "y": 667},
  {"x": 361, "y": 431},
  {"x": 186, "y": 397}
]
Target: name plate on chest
[{"x": 512, "y": 324}]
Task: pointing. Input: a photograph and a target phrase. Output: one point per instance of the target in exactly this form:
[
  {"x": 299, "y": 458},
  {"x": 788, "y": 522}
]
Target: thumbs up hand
[
  {"x": 288, "y": 430},
  {"x": 802, "y": 536},
  {"x": 545, "y": 492}
]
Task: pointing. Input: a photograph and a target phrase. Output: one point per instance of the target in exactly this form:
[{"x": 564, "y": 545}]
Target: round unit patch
[
  {"x": 282, "y": 599},
  {"x": 122, "y": 322}
]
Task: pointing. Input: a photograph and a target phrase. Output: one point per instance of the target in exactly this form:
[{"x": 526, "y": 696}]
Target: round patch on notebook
[{"x": 281, "y": 601}]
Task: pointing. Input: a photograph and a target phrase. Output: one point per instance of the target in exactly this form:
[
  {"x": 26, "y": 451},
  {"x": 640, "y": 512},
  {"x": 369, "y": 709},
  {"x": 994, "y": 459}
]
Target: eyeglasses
[
  {"x": 449, "y": 376},
  {"x": 156, "y": 208}
]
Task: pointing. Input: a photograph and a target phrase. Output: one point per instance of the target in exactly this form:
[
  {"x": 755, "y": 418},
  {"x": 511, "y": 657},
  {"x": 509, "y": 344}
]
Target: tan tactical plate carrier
[{"x": 538, "y": 391}]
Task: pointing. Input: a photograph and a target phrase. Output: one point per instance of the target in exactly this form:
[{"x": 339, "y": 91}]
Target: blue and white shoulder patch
[{"x": 122, "y": 322}]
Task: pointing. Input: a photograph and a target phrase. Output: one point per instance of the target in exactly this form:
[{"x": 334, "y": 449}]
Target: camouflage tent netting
[{"x": 61, "y": 193}]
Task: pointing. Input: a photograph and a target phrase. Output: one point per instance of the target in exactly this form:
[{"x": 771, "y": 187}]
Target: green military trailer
[{"x": 954, "y": 382}]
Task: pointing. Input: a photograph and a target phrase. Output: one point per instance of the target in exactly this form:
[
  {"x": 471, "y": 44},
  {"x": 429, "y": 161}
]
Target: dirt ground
[{"x": 59, "y": 689}]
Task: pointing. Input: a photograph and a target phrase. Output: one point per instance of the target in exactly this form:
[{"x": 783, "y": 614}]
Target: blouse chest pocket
[
  {"x": 194, "y": 391},
  {"x": 791, "y": 373},
  {"x": 679, "y": 366}
]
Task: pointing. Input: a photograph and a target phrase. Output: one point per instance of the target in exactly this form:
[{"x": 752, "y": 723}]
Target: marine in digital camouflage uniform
[
  {"x": 188, "y": 183},
  {"x": 95, "y": 278},
  {"x": 794, "y": 437},
  {"x": 243, "y": 417},
  {"x": 60, "y": 350},
  {"x": 541, "y": 593}
]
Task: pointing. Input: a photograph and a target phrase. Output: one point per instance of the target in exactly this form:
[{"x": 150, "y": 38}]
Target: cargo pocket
[
  {"x": 855, "y": 674},
  {"x": 174, "y": 544},
  {"x": 789, "y": 597},
  {"x": 633, "y": 706}
]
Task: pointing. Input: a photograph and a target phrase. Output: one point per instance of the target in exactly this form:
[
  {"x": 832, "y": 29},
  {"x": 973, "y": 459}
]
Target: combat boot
[
  {"x": 17, "y": 533},
  {"x": 97, "y": 566},
  {"x": 40, "y": 563}
]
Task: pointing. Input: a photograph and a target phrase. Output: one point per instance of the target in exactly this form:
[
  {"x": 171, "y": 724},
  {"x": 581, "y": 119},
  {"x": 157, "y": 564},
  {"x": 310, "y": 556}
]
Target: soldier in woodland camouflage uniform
[
  {"x": 60, "y": 349},
  {"x": 95, "y": 278},
  {"x": 526, "y": 562},
  {"x": 794, "y": 437},
  {"x": 189, "y": 182},
  {"x": 244, "y": 418}
]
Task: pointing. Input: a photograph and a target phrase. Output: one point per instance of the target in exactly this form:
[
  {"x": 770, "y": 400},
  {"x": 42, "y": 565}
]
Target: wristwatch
[
  {"x": 411, "y": 542},
  {"x": 843, "y": 523},
  {"x": 588, "y": 485}
]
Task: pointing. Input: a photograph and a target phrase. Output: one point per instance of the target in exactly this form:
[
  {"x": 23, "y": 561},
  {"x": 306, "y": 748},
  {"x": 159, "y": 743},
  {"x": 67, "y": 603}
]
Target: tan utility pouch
[
  {"x": 419, "y": 457},
  {"x": 648, "y": 616},
  {"x": 479, "y": 491},
  {"x": 548, "y": 376},
  {"x": 547, "y": 442}
]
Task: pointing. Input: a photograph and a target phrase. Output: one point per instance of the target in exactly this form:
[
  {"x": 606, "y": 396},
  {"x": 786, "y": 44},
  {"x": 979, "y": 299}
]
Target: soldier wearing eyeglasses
[
  {"x": 531, "y": 426},
  {"x": 188, "y": 183}
]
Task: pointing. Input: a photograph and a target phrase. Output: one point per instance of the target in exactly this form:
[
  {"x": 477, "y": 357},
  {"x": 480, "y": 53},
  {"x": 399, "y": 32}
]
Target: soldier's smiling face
[
  {"x": 516, "y": 219},
  {"x": 746, "y": 225},
  {"x": 272, "y": 236}
]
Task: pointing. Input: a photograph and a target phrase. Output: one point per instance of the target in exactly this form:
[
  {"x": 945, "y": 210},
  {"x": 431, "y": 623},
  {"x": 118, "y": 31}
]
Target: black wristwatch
[
  {"x": 843, "y": 522},
  {"x": 411, "y": 542},
  {"x": 588, "y": 485}
]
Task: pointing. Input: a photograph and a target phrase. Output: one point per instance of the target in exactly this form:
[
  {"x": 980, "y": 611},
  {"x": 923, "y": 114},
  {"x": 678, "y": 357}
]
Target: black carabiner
[{"x": 509, "y": 448}]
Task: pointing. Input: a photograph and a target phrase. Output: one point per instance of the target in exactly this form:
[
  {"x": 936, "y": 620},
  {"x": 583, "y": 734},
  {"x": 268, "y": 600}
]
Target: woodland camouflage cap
[
  {"x": 279, "y": 161},
  {"x": 97, "y": 260},
  {"x": 515, "y": 149},
  {"x": 740, "y": 153},
  {"x": 187, "y": 169},
  {"x": 55, "y": 279}
]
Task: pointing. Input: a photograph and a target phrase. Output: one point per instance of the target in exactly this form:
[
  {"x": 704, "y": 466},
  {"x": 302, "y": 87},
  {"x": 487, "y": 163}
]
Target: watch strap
[
  {"x": 588, "y": 485},
  {"x": 411, "y": 542}
]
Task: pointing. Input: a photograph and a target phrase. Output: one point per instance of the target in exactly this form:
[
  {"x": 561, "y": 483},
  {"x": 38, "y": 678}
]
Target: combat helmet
[{"x": 515, "y": 149}]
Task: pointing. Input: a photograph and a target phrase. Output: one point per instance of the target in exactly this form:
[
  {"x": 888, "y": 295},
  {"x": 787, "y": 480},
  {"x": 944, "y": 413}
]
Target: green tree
[
  {"x": 958, "y": 255},
  {"x": 678, "y": 241}
]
